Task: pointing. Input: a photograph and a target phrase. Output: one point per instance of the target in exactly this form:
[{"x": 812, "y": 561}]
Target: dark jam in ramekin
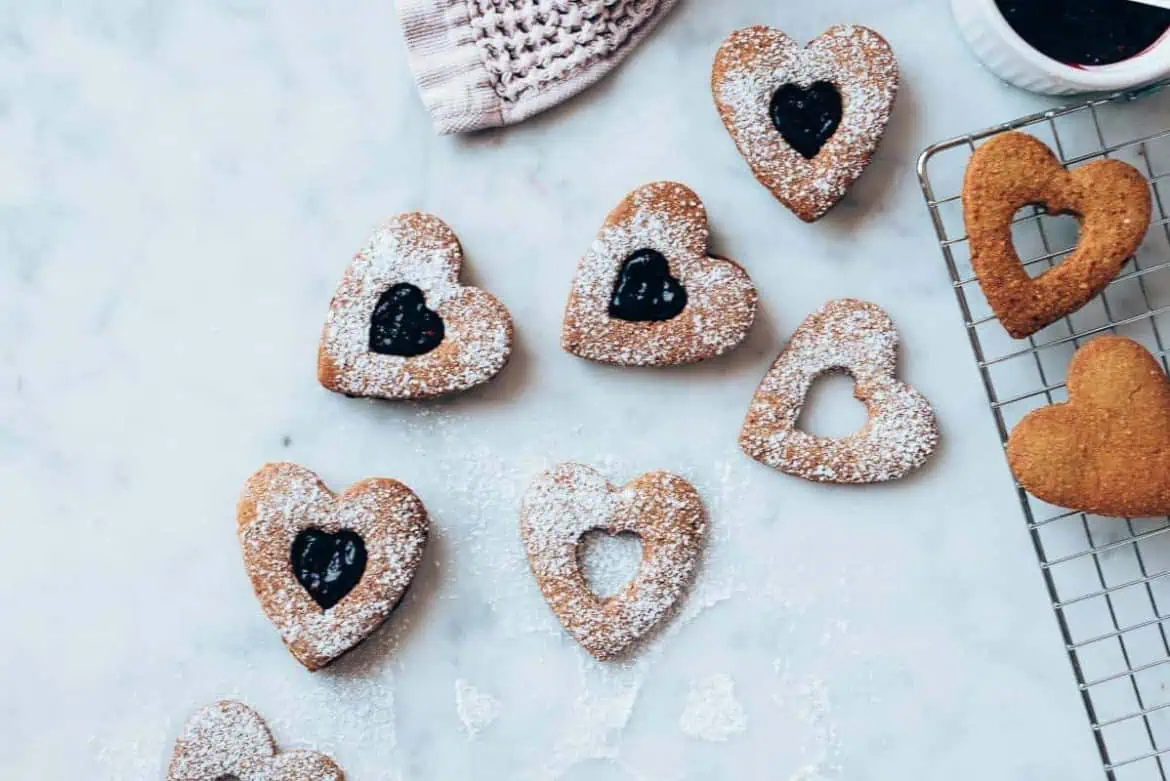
[{"x": 1086, "y": 32}]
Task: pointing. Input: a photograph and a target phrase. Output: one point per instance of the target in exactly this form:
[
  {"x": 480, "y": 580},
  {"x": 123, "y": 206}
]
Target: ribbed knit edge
[{"x": 455, "y": 86}]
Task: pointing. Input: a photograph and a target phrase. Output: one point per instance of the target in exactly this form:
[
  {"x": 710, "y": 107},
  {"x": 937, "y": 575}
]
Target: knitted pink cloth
[{"x": 484, "y": 63}]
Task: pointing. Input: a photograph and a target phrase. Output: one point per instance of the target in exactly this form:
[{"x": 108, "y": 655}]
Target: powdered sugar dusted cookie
[
  {"x": 328, "y": 570},
  {"x": 230, "y": 741},
  {"x": 807, "y": 119},
  {"x": 648, "y": 294},
  {"x": 400, "y": 325},
  {"x": 569, "y": 500},
  {"x": 858, "y": 338}
]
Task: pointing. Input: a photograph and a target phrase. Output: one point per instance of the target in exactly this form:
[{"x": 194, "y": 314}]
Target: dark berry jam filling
[
  {"x": 1086, "y": 32},
  {"x": 807, "y": 117},
  {"x": 402, "y": 324},
  {"x": 329, "y": 566},
  {"x": 645, "y": 291}
]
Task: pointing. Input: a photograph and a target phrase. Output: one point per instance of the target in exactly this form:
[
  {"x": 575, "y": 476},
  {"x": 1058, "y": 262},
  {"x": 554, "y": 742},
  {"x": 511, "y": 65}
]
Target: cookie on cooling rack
[
  {"x": 807, "y": 119},
  {"x": 1107, "y": 450},
  {"x": 664, "y": 511},
  {"x": 857, "y": 338},
  {"x": 648, "y": 294},
  {"x": 328, "y": 569},
  {"x": 400, "y": 325},
  {"x": 1111, "y": 199},
  {"x": 230, "y": 740}
]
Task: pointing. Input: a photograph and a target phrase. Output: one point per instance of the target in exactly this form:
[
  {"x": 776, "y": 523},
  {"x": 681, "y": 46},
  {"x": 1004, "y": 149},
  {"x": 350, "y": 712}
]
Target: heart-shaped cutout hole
[
  {"x": 403, "y": 325},
  {"x": 1043, "y": 240},
  {"x": 806, "y": 117},
  {"x": 328, "y": 566},
  {"x": 831, "y": 409},
  {"x": 645, "y": 291},
  {"x": 608, "y": 561}
]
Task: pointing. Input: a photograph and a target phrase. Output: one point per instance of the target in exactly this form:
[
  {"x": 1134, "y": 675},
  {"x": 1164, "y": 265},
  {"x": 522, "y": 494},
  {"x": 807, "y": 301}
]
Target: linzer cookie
[
  {"x": 328, "y": 569},
  {"x": 230, "y": 741},
  {"x": 857, "y": 338},
  {"x": 807, "y": 119},
  {"x": 1111, "y": 199},
  {"x": 648, "y": 294},
  {"x": 569, "y": 500},
  {"x": 400, "y": 325},
  {"x": 1107, "y": 450}
]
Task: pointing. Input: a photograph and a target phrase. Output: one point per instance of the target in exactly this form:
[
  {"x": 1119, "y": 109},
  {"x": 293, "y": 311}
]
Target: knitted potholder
[{"x": 485, "y": 63}]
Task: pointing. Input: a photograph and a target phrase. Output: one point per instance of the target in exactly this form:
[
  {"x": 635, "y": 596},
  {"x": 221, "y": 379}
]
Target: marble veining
[{"x": 181, "y": 186}]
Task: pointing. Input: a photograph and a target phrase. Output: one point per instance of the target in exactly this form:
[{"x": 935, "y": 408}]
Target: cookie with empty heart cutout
[
  {"x": 229, "y": 740},
  {"x": 806, "y": 118},
  {"x": 648, "y": 294},
  {"x": 400, "y": 325},
  {"x": 662, "y": 509},
  {"x": 1110, "y": 199},
  {"x": 328, "y": 569},
  {"x": 857, "y": 338},
  {"x": 1107, "y": 450}
]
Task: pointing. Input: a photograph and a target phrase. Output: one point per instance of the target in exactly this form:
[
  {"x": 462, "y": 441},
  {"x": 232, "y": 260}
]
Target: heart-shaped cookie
[
  {"x": 858, "y": 338},
  {"x": 648, "y": 294},
  {"x": 230, "y": 740},
  {"x": 1111, "y": 199},
  {"x": 807, "y": 119},
  {"x": 400, "y": 325},
  {"x": 328, "y": 570},
  {"x": 568, "y": 501},
  {"x": 1107, "y": 450}
]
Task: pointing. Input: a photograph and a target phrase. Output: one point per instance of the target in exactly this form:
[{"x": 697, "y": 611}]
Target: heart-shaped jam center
[
  {"x": 329, "y": 566},
  {"x": 403, "y": 325},
  {"x": 806, "y": 117},
  {"x": 645, "y": 291}
]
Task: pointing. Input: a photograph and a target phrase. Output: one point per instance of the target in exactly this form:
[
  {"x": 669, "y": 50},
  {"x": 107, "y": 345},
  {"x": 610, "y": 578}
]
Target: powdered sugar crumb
[
  {"x": 477, "y": 709},
  {"x": 712, "y": 711}
]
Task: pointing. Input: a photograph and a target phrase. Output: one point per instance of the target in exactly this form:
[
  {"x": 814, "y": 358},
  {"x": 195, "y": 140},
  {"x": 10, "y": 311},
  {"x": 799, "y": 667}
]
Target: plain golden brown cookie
[
  {"x": 754, "y": 63},
  {"x": 1107, "y": 450},
  {"x": 284, "y": 511},
  {"x": 229, "y": 740},
  {"x": 669, "y": 220},
  {"x": 569, "y": 500},
  {"x": 421, "y": 251},
  {"x": 1109, "y": 198}
]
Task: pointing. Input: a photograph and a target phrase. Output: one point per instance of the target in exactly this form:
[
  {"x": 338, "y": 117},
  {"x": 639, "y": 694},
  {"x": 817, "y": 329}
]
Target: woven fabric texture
[{"x": 485, "y": 63}]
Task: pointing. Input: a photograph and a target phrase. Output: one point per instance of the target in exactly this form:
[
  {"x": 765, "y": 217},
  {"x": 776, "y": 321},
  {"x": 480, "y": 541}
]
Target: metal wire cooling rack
[{"x": 1108, "y": 578}]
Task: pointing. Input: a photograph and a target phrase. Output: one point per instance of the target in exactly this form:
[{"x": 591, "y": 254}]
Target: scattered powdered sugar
[
  {"x": 859, "y": 338},
  {"x": 477, "y": 710},
  {"x": 282, "y": 500},
  {"x": 421, "y": 250},
  {"x": 608, "y": 561},
  {"x": 662, "y": 509},
  {"x": 808, "y": 700},
  {"x": 229, "y": 739},
  {"x": 754, "y": 62},
  {"x": 711, "y": 711},
  {"x": 669, "y": 218}
]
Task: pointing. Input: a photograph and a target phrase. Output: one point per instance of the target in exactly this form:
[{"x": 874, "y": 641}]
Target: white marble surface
[{"x": 181, "y": 184}]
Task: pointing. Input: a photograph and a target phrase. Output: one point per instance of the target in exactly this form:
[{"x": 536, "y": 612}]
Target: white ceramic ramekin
[{"x": 1010, "y": 57}]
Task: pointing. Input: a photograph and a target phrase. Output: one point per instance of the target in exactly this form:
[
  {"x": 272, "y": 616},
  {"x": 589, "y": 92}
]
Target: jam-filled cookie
[
  {"x": 229, "y": 740},
  {"x": 400, "y": 325},
  {"x": 328, "y": 569},
  {"x": 807, "y": 119},
  {"x": 857, "y": 338},
  {"x": 1110, "y": 198},
  {"x": 569, "y": 500},
  {"x": 648, "y": 294},
  {"x": 1107, "y": 450}
]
